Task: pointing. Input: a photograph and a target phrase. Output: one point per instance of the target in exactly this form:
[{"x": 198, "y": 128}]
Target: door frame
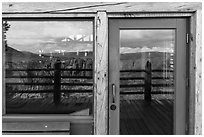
[{"x": 180, "y": 75}]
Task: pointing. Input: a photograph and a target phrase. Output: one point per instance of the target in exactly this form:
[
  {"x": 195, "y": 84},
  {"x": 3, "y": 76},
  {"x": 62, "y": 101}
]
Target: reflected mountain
[{"x": 129, "y": 60}]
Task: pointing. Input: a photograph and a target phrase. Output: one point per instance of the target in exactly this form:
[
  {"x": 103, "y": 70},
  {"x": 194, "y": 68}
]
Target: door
[{"x": 147, "y": 76}]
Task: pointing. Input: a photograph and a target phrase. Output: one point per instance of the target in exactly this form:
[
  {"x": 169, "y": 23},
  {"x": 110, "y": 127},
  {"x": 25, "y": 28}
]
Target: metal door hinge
[{"x": 187, "y": 38}]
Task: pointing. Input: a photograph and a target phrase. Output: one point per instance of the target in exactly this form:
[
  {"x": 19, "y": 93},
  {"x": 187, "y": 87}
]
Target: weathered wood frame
[
  {"x": 17, "y": 118},
  {"x": 101, "y": 67}
]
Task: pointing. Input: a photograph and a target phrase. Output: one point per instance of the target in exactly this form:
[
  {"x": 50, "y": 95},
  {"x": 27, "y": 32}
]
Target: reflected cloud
[
  {"x": 33, "y": 36},
  {"x": 148, "y": 38}
]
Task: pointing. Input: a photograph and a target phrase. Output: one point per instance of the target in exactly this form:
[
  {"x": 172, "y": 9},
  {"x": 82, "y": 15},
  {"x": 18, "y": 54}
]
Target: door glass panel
[
  {"x": 147, "y": 81},
  {"x": 48, "y": 67}
]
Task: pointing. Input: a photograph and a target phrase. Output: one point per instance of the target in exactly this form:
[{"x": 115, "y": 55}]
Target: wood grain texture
[
  {"x": 198, "y": 74},
  {"x": 195, "y": 94},
  {"x": 48, "y": 118},
  {"x": 51, "y": 7},
  {"x": 101, "y": 75}
]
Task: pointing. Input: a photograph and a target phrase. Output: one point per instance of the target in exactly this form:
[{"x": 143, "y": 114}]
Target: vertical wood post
[
  {"x": 57, "y": 82},
  {"x": 195, "y": 79},
  {"x": 148, "y": 81},
  {"x": 101, "y": 75}
]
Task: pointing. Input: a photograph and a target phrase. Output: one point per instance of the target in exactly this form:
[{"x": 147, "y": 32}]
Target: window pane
[
  {"x": 48, "y": 67},
  {"x": 147, "y": 81}
]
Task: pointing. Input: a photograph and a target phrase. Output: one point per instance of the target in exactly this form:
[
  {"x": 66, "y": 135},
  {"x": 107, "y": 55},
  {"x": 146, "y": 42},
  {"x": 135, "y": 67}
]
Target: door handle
[{"x": 113, "y": 93}]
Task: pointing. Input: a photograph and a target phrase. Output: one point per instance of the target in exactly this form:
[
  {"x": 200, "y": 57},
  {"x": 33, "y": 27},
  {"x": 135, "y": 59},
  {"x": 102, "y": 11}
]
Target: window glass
[
  {"x": 48, "y": 67},
  {"x": 147, "y": 81}
]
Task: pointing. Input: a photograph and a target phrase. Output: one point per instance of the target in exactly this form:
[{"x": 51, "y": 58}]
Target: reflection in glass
[
  {"x": 48, "y": 67},
  {"x": 146, "y": 81}
]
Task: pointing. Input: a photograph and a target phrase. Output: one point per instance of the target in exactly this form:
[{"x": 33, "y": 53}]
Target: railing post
[
  {"x": 148, "y": 81},
  {"x": 57, "y": 82}
]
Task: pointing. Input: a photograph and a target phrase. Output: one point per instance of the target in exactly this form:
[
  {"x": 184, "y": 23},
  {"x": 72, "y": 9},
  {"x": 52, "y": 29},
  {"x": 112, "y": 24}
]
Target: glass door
[{"x": 147, "y": 69}]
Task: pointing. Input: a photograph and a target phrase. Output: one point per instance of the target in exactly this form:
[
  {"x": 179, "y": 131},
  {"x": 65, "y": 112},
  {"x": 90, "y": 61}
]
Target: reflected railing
[{"x": 60, "y": 82}]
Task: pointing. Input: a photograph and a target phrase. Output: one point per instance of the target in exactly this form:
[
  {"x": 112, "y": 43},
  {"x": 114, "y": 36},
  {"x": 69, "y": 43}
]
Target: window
[{"x": 48, "y": 66}]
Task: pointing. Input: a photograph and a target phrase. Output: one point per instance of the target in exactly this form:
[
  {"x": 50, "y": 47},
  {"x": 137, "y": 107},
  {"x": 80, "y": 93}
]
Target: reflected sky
[
  {"x": 54, "y": 36},
  {"x": 162, "y": 40},
  {"x": 49, "y": 36}
]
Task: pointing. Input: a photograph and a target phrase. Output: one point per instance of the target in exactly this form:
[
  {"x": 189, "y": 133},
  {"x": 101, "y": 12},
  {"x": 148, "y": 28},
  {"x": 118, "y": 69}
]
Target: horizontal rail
[
  {"x": 132, "y": 78},
  {"x": 30, "y": 69},
  {"x": 159, "y": 70},
  {"x": 163, "y": 78},
  {"x": 76, "y": 84},
  {"x": 154, "y": 70},
  {"x": 45, "y": 84},
  {"x": 30, "y": 76},
  {"x": 163, "y": 85},
  {"x": 49, "y": 91},
  {"x": 90, "y": 84},
  {"x": 142, "y": 78},
  {"x": 89, "y": 77},
  {"x": 48, "y": 69},
  {"x": 131, "y": 93},
  {"x": 132, "y": 70},
  {"x": 80, "y": 91},
  {"x": 76, "y": 69},
  {"x": 71, "y": 77},
  {"x": 162, "y": 92},
  {"x": 21, "y": 83},
  {"x": 77, "y": 77},
  {"x": 131, "y": 85}
]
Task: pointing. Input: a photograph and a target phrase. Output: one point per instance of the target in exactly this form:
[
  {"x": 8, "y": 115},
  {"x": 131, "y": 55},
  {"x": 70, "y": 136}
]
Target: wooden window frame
[
  {"x": 101, "y": 66},
  {"x": 42, "y": 117}
]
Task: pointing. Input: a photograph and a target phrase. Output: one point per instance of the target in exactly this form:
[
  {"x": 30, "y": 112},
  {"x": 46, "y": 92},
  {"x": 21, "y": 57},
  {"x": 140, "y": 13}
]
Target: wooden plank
[
  {"x": 49, "y": 69},
  {"x": 43, "y": 117},
  {"x": 66, "y": 7},
  {"x": 159, "y": 70},
  {"x": 101, "y": 75},
  {"x": 131, "y": 78},
  {"x": 132, "y": 70},
  {"x": 25, "y": 83},
  {"x": 35, "y": 133},
  {"x": 30, "y": 91},
  {"x": 36, "y": 126},
  {"x": 29, "y": 69},
  {"x": 150, "y": 14},
  {"x": 29, "y": 77},
  {"x": 131, "y": 85},
  {"x": 148, "y": 121},
  {"x": 162, "y": 119},
  {"x": 48, "y": 15},
  {"x": 195, "y": 78},
  {"x": 123, "y": 128},
  {"x": 64, "y": 77},
  {"x": 152, "y": 117},
  {"x": 47, "y": 84},
  {"x": 141, "y": 129},
  {"x": 130, "y": 93}
]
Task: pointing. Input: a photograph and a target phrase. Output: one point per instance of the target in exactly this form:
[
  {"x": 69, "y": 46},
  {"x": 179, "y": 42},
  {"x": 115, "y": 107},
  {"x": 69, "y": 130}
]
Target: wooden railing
[{"x": 57, "y": 71}]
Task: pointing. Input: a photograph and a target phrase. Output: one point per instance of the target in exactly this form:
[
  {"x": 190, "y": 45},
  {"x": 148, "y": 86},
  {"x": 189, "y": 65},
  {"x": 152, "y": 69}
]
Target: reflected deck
[
  {"x": 72, "y": 105},
  {"x": 137, "y": 117}
]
